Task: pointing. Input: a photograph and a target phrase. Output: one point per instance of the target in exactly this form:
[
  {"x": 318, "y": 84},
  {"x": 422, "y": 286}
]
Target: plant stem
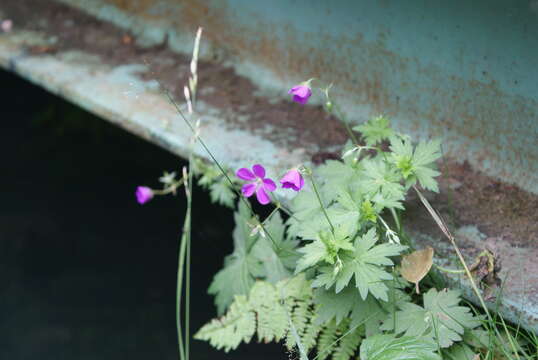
[
  {"x": 179, "y": 287},
  {"x": 286, "y": 210},
  {"x": 447, "y": 233},
  {"x": 396, "y": 220},
  {"x": 170, "y": 189},
  {"x": 188, "y": 266},
  {"x": 449, "y": 271},
  {"x": 266, "y": 219},
  {"x": 342, "y": 118},
  {"x": 320, "y": 202},
  {"x": 221, "y": 169}
]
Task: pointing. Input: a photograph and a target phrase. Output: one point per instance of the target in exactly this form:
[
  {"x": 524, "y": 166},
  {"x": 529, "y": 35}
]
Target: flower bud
[
  {"x": 143, "y": 194},
  {"x": 292, "y": 180},
  {"x": 329, "y": 106}
]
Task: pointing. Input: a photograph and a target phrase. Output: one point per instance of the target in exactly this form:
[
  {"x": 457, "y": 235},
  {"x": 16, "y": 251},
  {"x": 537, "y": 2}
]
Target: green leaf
[
  {"x": 314, "y": 253},
  {"x": 418, "y": 164},
  {"x": 369, "y": 213},
  {"x": 325, "y": 248},
  {"x": 278, "y": 263},
  {"x": 450, "y": 319},
  {"x": 366, "y": 265},
  {"x": 308, "y": 218},
  {"x": 459, "y": 352},
  {"x": 346, "y": 214},
  {"x": 375, "y": 130},
  {"x": 440, "y": 319},
  {"x": 370, "y": 313},
  {"x": 346, "y": 304},
  {"x": 388, "y": 347},
  {"x": 332, "y": 306},
  {"x": 426, "y": 153},
  {"x": 381, "y": 177},
  {"x": 336, "y": 176},
  {"x": 241, "y": 268},
  {"x": 221, "y": 193}
]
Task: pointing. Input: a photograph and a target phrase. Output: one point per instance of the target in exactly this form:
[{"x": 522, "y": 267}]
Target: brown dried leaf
[{"x": 416, "y": 265}]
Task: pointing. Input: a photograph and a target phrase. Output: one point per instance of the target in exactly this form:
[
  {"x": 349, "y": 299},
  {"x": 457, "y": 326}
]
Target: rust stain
[
  {"x": 146, "y": 9},
  {"x": 365, "y": 76}
]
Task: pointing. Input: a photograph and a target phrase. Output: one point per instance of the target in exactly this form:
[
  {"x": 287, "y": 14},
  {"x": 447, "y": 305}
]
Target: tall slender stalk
[
  {"x": 444, "y": 229},
  {"x": 179, "y": 286},
  {"x": 346, "y": 123},
  {"x": 215, "y": 161},
  {"x": 188, "y": 265},
  {"x": 320, "y": 202}
]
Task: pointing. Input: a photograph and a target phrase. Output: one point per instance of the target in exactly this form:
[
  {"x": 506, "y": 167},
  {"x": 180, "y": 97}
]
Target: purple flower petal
[
  {"x": 259, "y": 171},
  {"x": 262, "y": 197},
  {"x": 269, "y": 184},
  {"x": 301, "y": 183},
  {"x": 291, "y": 176},
  {"x": 300, "y": 100},
  {"x": 245, "y": 174},
  {"x": 248, "y": 189},
  {"x": 294, "y": 89},
  {"x": 293, "y": 179},
  {"x": 143, "y": 194},
  {"x": 302, "y": 91}
]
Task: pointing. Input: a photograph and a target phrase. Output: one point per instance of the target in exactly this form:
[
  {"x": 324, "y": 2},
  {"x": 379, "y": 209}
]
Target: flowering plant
[{"x": 333, "y": 271}]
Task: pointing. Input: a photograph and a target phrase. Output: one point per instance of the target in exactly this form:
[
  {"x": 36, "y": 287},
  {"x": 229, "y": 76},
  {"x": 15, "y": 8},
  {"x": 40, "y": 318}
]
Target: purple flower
[
  {"x": 301, "y": 93},
  {"x": 143, "y": 194},
  {"x": 257, "y": 183},
  {"x": 292, "y": 180}
]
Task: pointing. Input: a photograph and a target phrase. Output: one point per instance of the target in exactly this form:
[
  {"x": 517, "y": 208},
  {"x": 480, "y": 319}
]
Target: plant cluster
[
  {"x": 344, "y": 261},
  {"x": 333, "y": 274}
]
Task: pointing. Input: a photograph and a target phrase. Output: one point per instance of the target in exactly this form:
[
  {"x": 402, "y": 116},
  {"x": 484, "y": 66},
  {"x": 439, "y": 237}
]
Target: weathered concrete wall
[{"x": 459, "y": 70}]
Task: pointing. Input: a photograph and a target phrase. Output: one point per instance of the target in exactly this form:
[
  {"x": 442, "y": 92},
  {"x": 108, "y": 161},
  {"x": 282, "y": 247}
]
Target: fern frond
[
  {"x": 300, "y": 314},
  {"x": 327, "y": 338},
  {"x": 227, "y": 332},
  {"x": 268, "y": 312},
  {"x": 348, "y": 344},
  {"x": 264, "y": 312},
  {"x": 311, "y": 332},
  {"x": 272, "y": 316}
]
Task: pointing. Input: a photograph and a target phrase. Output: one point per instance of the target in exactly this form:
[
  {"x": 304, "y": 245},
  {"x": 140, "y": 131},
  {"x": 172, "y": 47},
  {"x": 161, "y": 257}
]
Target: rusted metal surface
[
  {"x": 435, "y": 74},
  {"x": 463, "y": 72}
]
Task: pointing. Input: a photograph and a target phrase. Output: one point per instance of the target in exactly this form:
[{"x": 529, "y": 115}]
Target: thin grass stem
[
  {"x": 444, "y": 229},
  {"x": 320, "y": 202},
  {"x": 215, "y": 161}
]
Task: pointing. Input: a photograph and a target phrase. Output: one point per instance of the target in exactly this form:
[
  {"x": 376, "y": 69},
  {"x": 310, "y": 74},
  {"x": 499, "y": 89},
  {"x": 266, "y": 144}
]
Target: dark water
[{"x": 86, "y": 272}]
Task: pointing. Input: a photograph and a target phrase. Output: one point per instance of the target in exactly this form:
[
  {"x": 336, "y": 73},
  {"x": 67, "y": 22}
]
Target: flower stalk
[{"x": 314, "y": 186}]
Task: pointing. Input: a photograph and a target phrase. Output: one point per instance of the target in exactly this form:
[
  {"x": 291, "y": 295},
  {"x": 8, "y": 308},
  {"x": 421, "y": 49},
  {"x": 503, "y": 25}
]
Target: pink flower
[
  {"x": 301, "y": 93},
  {"x": 6, "y": 25},
  {"x": 143, "y": 194},
  {"x": 292, "y": 180},
  {"x": 257, "y": 183}
]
